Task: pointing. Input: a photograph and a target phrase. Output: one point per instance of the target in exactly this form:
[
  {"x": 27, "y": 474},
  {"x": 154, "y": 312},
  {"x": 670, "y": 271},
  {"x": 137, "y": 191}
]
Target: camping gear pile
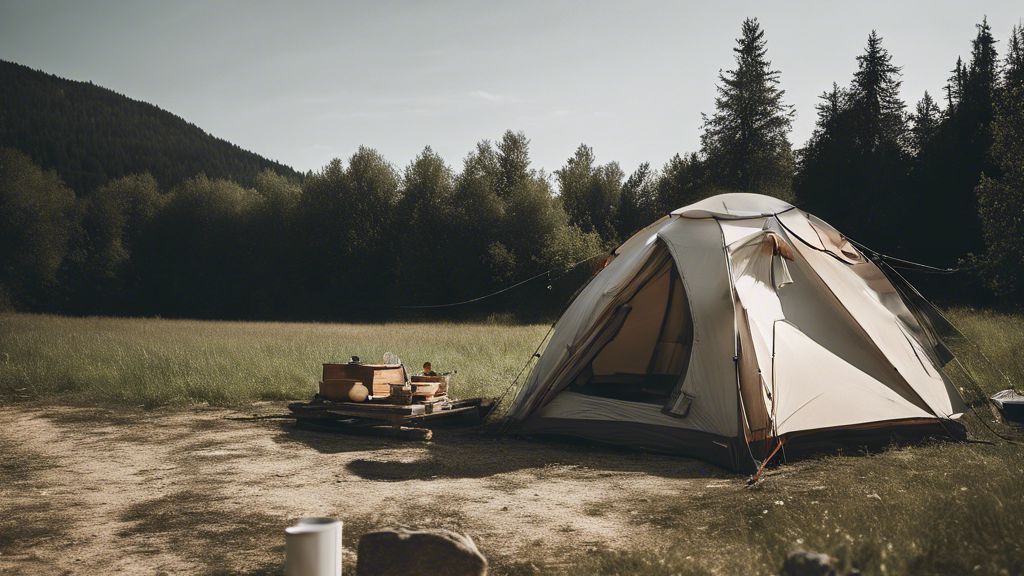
[
  {"x": 358, "y": 382},
  {"x": 736, "y": 326},
  {"x": 384, "y": 399}
]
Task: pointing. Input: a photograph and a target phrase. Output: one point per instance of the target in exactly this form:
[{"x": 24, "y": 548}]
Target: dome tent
[{"x": 733, "y": 325}]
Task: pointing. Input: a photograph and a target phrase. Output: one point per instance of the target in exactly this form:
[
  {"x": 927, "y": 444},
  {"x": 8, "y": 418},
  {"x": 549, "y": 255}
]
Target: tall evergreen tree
[
  {"x": 1001, "y": 203},
  {"x": 745, "y": 141},
  {"x": 925, "y": 119},
  {"x": 982, "y": 80},
  {"x": 853, "y": 169},
  {"x": 948, "y": 168},
  {"x": 955, "y": 85},
  {"x": 1013, "y": 65},
  {"x": 875, "y": 99}
]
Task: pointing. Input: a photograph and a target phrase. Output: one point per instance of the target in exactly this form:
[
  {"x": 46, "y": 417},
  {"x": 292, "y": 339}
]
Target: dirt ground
[{"x": 202, "y": 491}]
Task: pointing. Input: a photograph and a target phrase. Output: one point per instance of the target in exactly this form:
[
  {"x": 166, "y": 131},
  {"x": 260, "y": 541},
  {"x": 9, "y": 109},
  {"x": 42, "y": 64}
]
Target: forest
[
  {"x": 91, "y": 135},
  {"x": 110, "y": 206}
]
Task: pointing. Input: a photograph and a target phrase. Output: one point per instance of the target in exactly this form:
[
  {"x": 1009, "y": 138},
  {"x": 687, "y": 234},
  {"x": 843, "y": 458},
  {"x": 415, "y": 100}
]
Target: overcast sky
[{"x": 303, "y": 83}]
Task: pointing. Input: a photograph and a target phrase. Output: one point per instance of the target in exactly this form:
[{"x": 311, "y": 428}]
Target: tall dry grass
[
  {"x": 992, "y": 350},
  {"x": 152, "y": 362}
]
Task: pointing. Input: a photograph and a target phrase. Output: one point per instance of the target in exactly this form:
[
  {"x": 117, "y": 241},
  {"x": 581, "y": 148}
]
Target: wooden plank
[
  {"x": 442, "y": 414},
  {"x": 345, "y": 427},
  {"x": 379, "y": 412}
]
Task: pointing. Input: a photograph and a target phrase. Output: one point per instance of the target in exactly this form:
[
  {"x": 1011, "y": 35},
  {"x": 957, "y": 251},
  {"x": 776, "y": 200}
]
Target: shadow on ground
[{"x": 480, "y": 453}]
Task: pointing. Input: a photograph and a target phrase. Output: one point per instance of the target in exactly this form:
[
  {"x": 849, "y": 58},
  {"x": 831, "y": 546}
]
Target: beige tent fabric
[
  {"x": 710, "y": 380},
  {"x": 753, "y": 262},
  {"x": 822, "y": 236},
  {"x": 754, "y": 389},
  {"x": 797, "y": 222},
  {"x": 734, "y": 206},
  {"x": 677, "y": 338},
  {"x": 631, "y": 350},
  {"x": 864, "y": 304},
  {"x": 736, "y": 231},
  {"x": 816, "y": 389},
  {"x": 815, "y": 379},
  {"x": 810, "y": 305}
]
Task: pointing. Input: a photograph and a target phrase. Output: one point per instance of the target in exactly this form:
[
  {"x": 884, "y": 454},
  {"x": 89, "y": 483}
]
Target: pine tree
[
  {"x": 745, "y": 141},
  {"x": 1013, "y": 65},
  {"x": 925, "y": 118},
  {"x": 853, "y": 169},
  {"x": 982, "y": 79},
  {"x": 948, "y": 169},
  {"x": 1001, "y": 203},
  {"x": 955, "y": 86},
  {"x": 875, "y": 97}
]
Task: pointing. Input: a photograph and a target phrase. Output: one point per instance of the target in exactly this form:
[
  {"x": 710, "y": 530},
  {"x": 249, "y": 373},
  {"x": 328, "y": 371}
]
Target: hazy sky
[{"x": 306, "y": 82}]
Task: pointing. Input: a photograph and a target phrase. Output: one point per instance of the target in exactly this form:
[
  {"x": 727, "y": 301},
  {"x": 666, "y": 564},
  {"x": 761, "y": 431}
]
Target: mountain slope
[{"x": 90, "y": 135}]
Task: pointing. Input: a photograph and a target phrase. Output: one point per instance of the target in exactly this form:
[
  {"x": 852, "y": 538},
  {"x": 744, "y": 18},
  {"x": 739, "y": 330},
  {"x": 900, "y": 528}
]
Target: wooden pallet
[{"x": 405, "y": 420}]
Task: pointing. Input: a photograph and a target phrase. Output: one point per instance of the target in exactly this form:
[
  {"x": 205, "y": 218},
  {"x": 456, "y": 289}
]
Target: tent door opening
[{"x": 650, "y": 351}]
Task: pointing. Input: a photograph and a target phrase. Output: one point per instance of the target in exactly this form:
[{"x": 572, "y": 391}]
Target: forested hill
[{"x": 91, "y": 135}]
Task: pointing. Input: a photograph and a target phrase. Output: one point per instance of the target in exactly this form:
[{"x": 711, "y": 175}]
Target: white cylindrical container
[{"x": 313, "y": 548}]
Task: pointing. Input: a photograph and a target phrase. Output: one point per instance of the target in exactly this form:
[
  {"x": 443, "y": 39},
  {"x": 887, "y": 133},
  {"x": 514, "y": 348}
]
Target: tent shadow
[
  {"x": 478, "y": 452},
  {"x": 461, "y": 453}
]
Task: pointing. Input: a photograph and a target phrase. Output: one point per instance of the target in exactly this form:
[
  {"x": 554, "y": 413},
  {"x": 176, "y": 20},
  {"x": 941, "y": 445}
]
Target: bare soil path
[{"x": 97, "y": 491}]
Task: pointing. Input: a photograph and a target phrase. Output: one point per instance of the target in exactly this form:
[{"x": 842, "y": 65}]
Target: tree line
[{"x": 360, "y": 239}]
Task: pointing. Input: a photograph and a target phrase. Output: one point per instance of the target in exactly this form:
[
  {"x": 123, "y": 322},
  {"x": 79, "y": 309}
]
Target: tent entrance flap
[{"x": 646, "y": 357}]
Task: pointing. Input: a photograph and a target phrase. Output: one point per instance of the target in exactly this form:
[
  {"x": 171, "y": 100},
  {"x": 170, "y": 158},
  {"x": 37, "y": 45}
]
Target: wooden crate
[
  {"x": 440, "y": 390},
  {"x": 376, "y": 377}
]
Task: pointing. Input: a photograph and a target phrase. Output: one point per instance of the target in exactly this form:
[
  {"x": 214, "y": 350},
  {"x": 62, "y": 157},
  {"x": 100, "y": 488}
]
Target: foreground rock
[
  {"x": 402, "y": 552},
  {"x": 804, "y": 563}
]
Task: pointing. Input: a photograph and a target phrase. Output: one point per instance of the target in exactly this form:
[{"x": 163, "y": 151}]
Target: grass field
[
  {"x": 937, "y": 508},
  {"x": 154, "y": 363}
]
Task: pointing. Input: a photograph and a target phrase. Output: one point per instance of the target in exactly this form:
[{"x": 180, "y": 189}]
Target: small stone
[
  {"x": 803, "y": 563},
  {"x": 401, "y": 552}
]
